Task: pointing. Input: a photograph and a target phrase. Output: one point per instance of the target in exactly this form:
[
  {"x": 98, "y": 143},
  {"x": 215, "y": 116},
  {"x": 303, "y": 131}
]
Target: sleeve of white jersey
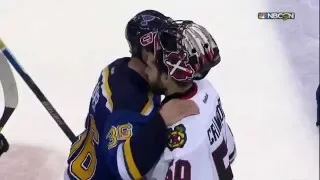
[{"x": 232, "y": 152}]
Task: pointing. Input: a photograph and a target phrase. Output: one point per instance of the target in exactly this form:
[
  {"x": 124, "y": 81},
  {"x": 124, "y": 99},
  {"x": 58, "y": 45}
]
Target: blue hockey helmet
[{"x": 141, "y": 29}]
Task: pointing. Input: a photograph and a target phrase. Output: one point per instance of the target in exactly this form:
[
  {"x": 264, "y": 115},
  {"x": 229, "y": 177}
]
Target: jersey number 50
[
  {"x": 84, "y": 163},
  {"x": 182, "y": 170},
  {"x": 224, "y": 170}
]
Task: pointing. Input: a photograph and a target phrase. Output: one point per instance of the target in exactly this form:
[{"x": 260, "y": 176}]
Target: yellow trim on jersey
[
  {"x": 2, "y": 45},
  {"x": 78, "y": 143},
  {"x": 107, "y": 91},
  {"x": 133, "y": 170},
  {"x": 149, "y": 105}
]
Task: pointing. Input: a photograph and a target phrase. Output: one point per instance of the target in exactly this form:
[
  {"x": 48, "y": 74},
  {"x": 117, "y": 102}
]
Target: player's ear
[{"x": 144, "y": 55}]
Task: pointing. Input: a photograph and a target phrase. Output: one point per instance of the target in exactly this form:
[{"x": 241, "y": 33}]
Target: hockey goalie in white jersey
[{"x": 200, "y": 147}]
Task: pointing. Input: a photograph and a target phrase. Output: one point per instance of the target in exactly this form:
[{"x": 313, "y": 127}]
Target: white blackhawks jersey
[{"x": 200, "y": 147}]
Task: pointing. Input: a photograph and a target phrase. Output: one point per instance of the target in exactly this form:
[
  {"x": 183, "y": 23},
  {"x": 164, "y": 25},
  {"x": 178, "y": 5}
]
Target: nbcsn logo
[{"x": 276, "y": 15}]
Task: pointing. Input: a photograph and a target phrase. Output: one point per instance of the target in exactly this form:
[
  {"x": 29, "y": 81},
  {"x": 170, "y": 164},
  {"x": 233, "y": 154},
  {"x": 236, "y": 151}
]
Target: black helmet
[{"x": 141, "y": 29}]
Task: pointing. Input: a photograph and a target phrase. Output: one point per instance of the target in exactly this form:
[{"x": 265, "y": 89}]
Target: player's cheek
[{"x": 148, "y": 70}]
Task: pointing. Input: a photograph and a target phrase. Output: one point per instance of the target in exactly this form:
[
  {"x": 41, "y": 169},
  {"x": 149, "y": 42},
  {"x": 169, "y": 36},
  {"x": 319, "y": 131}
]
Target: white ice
[{"x": 63, "y": 45}]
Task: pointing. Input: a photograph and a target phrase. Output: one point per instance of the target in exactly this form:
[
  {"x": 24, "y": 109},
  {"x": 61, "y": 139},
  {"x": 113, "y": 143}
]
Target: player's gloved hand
[
  {"x": 4, "y": 145},
  {"x": 176, "y": 109}
]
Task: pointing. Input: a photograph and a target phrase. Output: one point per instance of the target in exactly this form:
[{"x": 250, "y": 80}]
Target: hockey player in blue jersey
[{"x": 125, "y": 132}]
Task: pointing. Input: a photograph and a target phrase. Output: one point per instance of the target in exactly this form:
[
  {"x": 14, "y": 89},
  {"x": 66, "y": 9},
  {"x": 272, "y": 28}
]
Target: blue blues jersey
[{"x": 120, "y": 105}]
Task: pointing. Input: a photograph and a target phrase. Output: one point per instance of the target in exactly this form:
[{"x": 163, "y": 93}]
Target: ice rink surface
[{"x": 267, "y": 78}]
